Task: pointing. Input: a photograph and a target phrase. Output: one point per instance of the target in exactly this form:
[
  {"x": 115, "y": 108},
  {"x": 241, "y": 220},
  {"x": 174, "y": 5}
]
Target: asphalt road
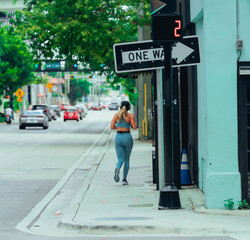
[{"x": 33, "y": 161}]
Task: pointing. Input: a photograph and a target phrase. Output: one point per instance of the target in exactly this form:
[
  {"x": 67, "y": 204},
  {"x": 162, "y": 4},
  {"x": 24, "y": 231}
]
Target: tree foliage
[
  {"x": 16, "y": 62},
  {"x": 78, "y": 88},
  {"x": 82, "y": 29}
]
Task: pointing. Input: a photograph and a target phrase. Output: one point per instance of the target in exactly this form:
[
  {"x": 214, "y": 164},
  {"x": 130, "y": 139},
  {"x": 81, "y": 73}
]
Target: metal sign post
[{"x": 169, "y": 195}]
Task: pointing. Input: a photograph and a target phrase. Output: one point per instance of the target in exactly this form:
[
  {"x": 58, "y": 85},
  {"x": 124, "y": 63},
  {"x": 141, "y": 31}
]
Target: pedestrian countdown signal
[{"x": 167, "y": 27}]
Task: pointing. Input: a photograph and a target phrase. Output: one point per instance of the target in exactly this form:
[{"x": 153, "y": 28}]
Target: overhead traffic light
[
  {"x": 73, "y": 77},
  {"x": 71, "y": 65},
  {"x": 37, "y": 67}
]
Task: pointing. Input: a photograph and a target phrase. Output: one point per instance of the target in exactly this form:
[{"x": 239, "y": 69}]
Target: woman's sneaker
[
  {"x": 116, "y": 177},
  {"x": 124, "y": 182}
]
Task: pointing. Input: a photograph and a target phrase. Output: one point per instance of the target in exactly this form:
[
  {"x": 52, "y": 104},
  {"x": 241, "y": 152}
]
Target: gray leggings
[{"x": 123, "y": 147}]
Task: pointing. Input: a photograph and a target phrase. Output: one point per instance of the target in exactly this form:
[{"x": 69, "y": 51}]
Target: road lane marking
[{"x": 11, "y": 174}]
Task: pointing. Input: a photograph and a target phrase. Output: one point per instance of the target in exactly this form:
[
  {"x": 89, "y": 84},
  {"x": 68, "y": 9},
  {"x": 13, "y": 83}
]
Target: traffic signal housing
[
  {"x": 73, "y": 77},
  {"x": 37, "y": 67},
  {"x": 167, "y": 27},
  {"x": 71, "y": 65}
]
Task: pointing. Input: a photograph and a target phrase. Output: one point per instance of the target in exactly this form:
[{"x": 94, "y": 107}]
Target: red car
[
  {"x": 64, "y": 106},
  {"x": 71, "y": 114},
  {"x": 97, "y": 107}
]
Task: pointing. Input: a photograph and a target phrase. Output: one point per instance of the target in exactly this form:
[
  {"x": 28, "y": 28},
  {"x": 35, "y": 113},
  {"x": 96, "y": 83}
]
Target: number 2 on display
[{"x": 177, "y": 28}]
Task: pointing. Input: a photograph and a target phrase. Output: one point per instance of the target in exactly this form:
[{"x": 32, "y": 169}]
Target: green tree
[
  {"x": 78, "y": 89},
  {"x": 16, "y": 63},
  {"x": 83, "y": 29}
]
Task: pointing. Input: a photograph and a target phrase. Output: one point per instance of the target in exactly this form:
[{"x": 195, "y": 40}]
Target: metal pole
[
  {"x": 176, "y": 150},
  {"x": 23, "y": 104},
  {"x": 169, "y": 195},
  {"x": 167, "y": 93},
  {"x": 160, "y": 127},
  {"x": 58, "y": 91},
  {"x": 68, "y": 87},
  {"x": 145, "y": 112},
  {"x": 155, "y": 135},
  {"x": 61, "y": 83}
]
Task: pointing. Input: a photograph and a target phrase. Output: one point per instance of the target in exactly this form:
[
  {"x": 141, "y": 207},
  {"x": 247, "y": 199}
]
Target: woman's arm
[
  {"x": 132, "y": 121},
  {"x": 113, "y": 122}
]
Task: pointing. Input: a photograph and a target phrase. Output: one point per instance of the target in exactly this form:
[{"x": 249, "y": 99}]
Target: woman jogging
[{"x": 123, "y": 140}]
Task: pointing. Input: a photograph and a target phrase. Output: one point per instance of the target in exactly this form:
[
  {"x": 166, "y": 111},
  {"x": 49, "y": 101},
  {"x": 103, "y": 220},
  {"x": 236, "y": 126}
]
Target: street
[
  {"x": 142, "y": 120},
  {"x": 34, "y": 160}
]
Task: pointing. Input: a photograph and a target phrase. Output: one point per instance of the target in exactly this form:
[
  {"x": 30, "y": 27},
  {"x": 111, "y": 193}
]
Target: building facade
[
  {"x": 9, "y": 5},
  {"x": 7, "y": 9},
  {"x": 223, "y": 90}
]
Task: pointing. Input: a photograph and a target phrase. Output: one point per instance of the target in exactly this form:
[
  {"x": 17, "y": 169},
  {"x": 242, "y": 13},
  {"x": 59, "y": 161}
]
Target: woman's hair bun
[{"x": 125, "y": 104}]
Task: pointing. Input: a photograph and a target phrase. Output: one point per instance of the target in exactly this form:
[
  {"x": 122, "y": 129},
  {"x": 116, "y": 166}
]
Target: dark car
[
  {"x": 43, "y": 107},
  {"x": 57, "y": 110},
  {"x": 113, "y": 106}
]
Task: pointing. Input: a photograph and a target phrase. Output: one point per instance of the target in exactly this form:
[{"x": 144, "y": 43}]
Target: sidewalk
[{"x": 103, "y": 206}]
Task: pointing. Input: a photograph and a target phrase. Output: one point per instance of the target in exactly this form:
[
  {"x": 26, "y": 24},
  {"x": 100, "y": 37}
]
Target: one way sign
[{"x": 148, "y": 55}]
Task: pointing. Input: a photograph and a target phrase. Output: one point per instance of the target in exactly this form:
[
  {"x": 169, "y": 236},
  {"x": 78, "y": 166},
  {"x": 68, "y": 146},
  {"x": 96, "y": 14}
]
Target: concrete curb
[
  {"x": 67, "y": 220},
  {"x": 27, "y": 222},
  {"x": 89, "y": 229},
  {"x": 138, "y": 229},
  {"x": 239, "y": 213}
]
